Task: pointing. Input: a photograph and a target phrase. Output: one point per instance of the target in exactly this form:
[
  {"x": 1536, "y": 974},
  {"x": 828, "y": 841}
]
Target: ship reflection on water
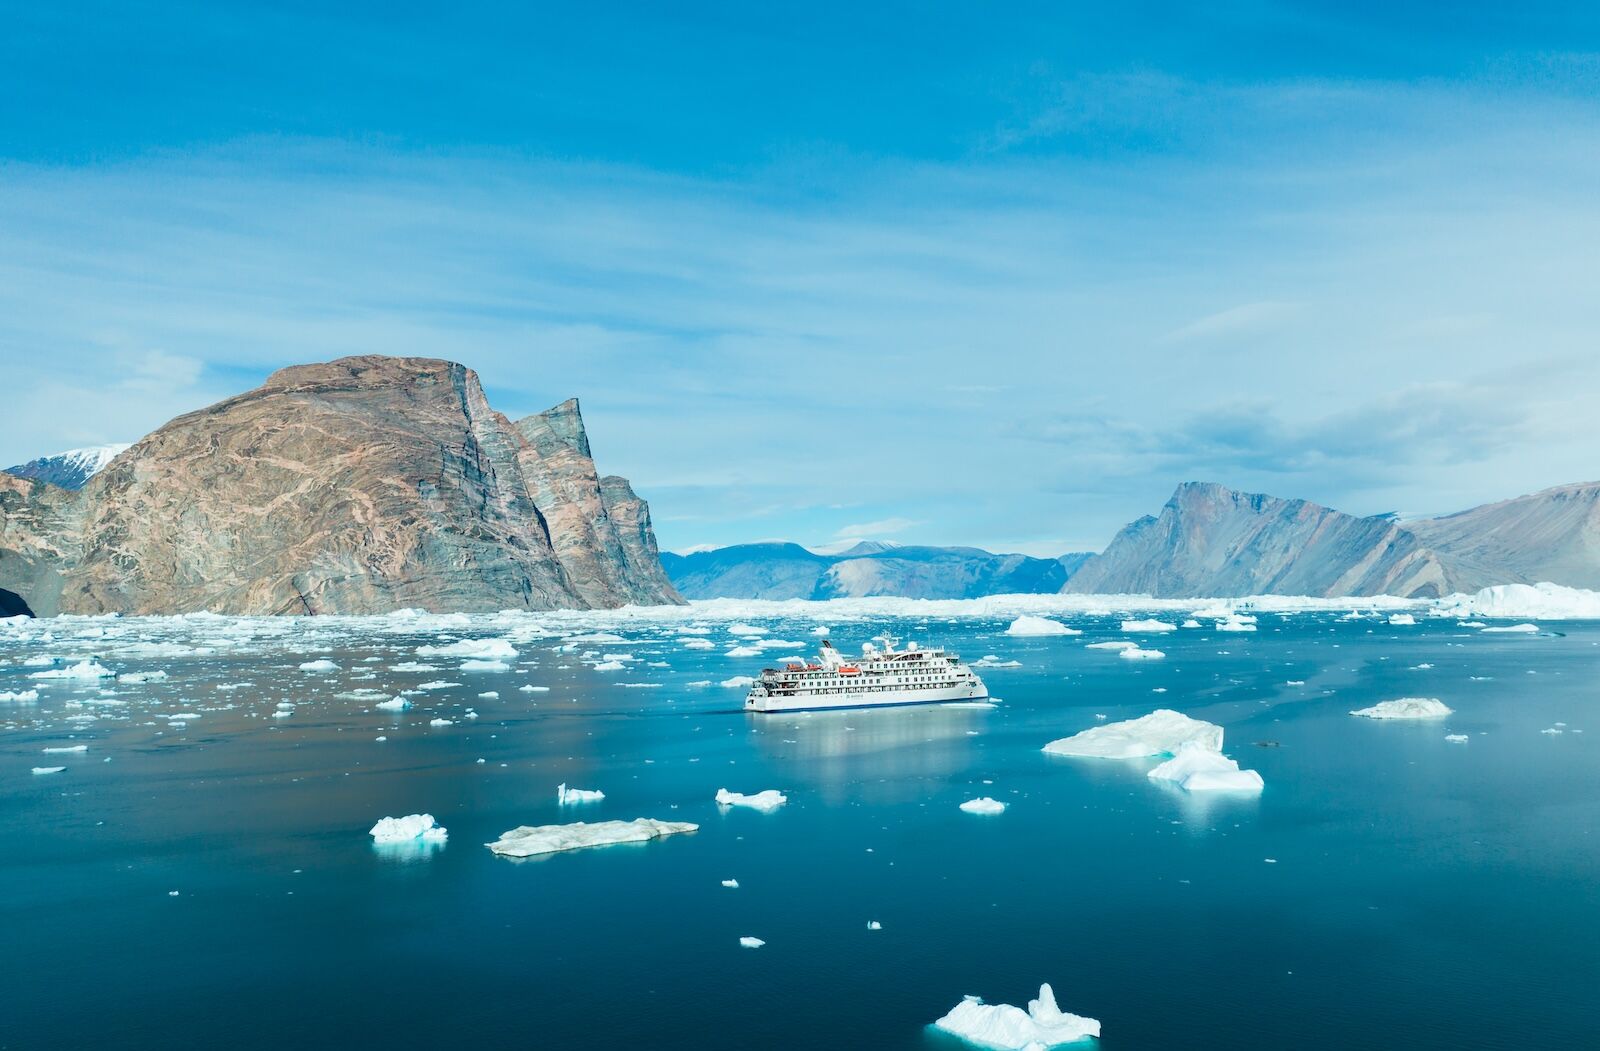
[{"x": 879, "y": 754}]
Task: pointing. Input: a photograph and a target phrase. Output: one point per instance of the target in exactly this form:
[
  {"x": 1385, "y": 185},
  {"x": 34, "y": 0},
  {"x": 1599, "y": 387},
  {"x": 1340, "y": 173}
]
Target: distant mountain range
[
  {"x": 1211, "y": 541},
  {"x": 871, "y": 568},
  {"x": 71, "y": 469}
]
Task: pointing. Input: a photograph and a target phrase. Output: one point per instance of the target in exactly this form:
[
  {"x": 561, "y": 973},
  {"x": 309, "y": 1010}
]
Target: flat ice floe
[
  {"x": 1029, "y": 625},
  {"x": 1406, "y": 708},
  {"x": 983, "y": 805},
  {"x": 1162, "y": 733},
  {"x": 1147, "y": 626},
  {"x": 1118, "y": 644},
  {"x": 751, "y": 943},
  {"x": 82, "y": 670},
  {"x": 1512, "y": 629},
  {"x": 1008, "y": 1028},
  {"x": 65, "y": 749},
  {"x": 529, "y": 840},
  {"x": 321, "y": 665},
  {"x": 1135, "y": 653},
  {"x": 48, "y": 769},
  {"x": 418, "y": 827},
  {"x": 488, "y": 649},
  {"x": 1402, "y": 618},
  {"x": 766, "y": 801},
  {"x": 1197, "y": 768}
]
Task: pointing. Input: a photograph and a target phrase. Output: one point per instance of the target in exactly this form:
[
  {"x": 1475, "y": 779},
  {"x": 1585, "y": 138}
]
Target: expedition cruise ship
[{"x": 882, "y": 676}]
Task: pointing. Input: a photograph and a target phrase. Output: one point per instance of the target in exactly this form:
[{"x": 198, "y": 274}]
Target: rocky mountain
[
  {"x": 71, "y": 469},
  {"x": 1550, "y": 535},
  {"x": 787, "y": 571},
  {"x": 1213, "y": 541},
  {"x": 362, "y": 485}
]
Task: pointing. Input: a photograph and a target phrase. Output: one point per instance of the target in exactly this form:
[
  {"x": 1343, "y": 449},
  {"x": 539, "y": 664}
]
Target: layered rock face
[
  {"x": 599, "y": 528},
  {"x": 40, "y": 539},
  {"x": 1550, "y": 535},
  {"x": 362, "y": 485},
  {"x": 1210, "y": 541}
]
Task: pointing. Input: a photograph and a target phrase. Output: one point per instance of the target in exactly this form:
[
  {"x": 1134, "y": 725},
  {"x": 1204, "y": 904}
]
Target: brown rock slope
[{"x": 362, "y": 485}]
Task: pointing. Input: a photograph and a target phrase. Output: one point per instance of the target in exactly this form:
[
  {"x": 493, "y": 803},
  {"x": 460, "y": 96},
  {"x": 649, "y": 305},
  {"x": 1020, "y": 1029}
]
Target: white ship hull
[{"x": 878, "y": 698}]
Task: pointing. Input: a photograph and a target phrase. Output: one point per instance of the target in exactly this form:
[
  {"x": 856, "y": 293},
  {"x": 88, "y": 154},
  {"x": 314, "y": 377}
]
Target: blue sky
[{"x": 932, "y": 273}]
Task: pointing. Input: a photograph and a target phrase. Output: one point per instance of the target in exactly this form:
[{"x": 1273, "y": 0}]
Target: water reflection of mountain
[{"x": 870, "y": 753}]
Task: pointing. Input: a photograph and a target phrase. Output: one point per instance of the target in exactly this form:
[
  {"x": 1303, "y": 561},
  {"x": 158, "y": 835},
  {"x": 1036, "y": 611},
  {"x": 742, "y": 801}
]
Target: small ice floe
[
  {"x": 1197, "y": 768},
  {"x": 441, "y": 722},
  {"x": 1119, "y": 644},
  {"x": 1513, "y": 629},
  {"x": 490, "y": 695},
  {"x": 1234, "y": 622},
  {"x": 983, "y": 805},
  {"x": 393, "y": 704},
  {"x": 751, "y": 943},
  {"x": 529, "y": 840},
  {"x": 1190, "y": 623},
  {"x": 533, "y": 689},
  {"x": 283, "y": 713},
  {"x": 67, "y": 749},
  {"x": 1402, "y": 618},
  {"x": 437, "y": 684},
  {"x": 137, "y": 677},
  {"x": 406, "y": 829},
  {"x": 741, "y": 628},
  {"x": 698, "y": 644},
  {"x": 413, "y": 666},
  {"x": 820, "y": 629},
  {"x": 738, "y": 682},
  {"x": 743, "y": 651},
  {"x": 766, "y": 801},
  {"x": 488, "y": 649},
  {"x": 874, "y": 925},
  {"x": 990, "y": 660},
  {"x": 476, "y": 665},
  {"x": 319, "y": 665},
  {"x": 731, "y": 884},
  {"x": 1552, "y": 730},
  {"x": 565, "y": 795},
  {"x": 48, "y": 769},
  {"x": 1456, "y": 738},
  {"x": 82, "y": 670},
  {"x": 19, "y": 696},
  {"x": 1471, "y": 624},
  {"x": 1026, "y": 625},
  {"x": 1136, "y": 654},
  {"x": 1406, "y": 708},
  {"x": 1147, "y": 626},
  {"x": 1162, "y": 732},
  {"x": 1007, "y": 1028}
]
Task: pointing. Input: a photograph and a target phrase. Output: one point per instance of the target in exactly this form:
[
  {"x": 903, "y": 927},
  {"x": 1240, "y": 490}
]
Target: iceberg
[
  {"x": 698, "y": 644},
  {"x": 874, "y": 925},
  {"x": 1163, "y": 732},
  {"x": 1197, "y": 768},
  {"x": 48, "y": 769},
  {"x": 489, "y": 649},
  {"x": 1544, "y": 601},
  {"x": 66, "y": 749},
  {"x": 1147, "y": 626},
  {"x": 565, "y": 795},
  {"x": 1134, "y": 653},
  {"x": 751, "y": 943},
  {"x": 738, "y": 682},
  {"x": 321, "y": 665},
  {"x": 1236, "y": 623},
  {"x": 408, "y": 828},
  {"x": 1402, "y": 618},
  {"x": 766, "y": 801},
  {"x": 393, "y": 704},
  {"x": 82, "y": 670},
  {"x": 477, "y": 665},
  {"x": 983, "y": 805},
  {"x": 1513, "y": 629},
  {"x": 731, "y": 884},
  {"x": 1406, "y": 708},
  {"x": 744, "y": 651},
  {"x": 441, "y": 722},
  {"x": 1456, "y": 738},
  {"x": 1007, "y": 1028},
  {"x": 1191, "y": 623},
  {"x": 19, "y": 696},
  {"x": 528, "y": 840},
  {"x": 1030, "y": 625}
]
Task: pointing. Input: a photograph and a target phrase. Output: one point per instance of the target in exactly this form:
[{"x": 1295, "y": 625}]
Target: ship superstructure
[{"x": 883, "y": 675}]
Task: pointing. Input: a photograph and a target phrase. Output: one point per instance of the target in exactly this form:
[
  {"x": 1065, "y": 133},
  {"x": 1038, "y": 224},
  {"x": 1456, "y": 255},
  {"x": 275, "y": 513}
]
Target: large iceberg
[
  {"x": 1197, "y": 768},
  {"x": 1162, "y": 732},
  {"x": 1406, "y": 708},
  {"x": 1544, "y": 601},
  {"x": 766, "y": 801},
  {"x": 1008, "y": 1028},
  {"x": 1030, "y": 625},
  {"x": 408, "y": 829},
  {"x": 528, "y": 840}
]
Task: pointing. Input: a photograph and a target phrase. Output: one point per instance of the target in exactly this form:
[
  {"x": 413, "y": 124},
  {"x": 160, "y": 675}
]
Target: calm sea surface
[{"x": 1389, "y": 889}]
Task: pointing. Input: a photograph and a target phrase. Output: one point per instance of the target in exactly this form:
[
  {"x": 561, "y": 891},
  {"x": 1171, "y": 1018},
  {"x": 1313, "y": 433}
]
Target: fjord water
[{"x": 1389, "y": 889}]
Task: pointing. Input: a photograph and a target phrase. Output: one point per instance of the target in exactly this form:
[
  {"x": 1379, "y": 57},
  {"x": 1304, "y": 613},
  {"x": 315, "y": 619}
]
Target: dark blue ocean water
[{"x": 1422, "y": 894}]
